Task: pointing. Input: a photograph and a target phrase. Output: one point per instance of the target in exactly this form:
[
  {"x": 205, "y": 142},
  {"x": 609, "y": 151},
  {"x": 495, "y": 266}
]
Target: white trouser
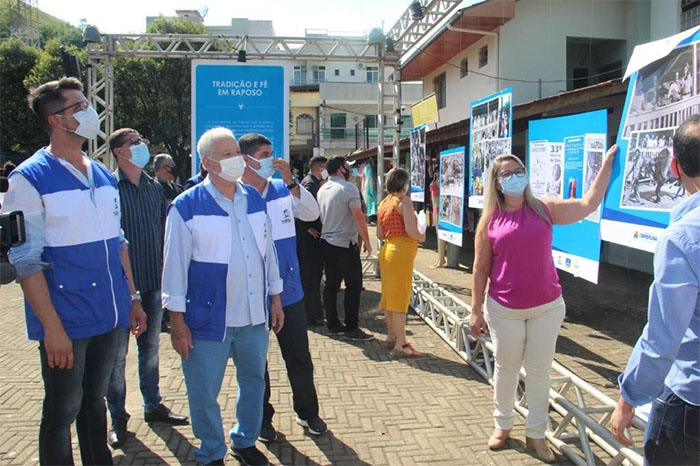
[{"x": 523, "y": 337}]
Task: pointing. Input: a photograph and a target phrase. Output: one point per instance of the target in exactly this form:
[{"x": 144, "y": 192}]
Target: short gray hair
[
  {"x": 206, "y": 141},
  {"x": 159, "y": 159}
]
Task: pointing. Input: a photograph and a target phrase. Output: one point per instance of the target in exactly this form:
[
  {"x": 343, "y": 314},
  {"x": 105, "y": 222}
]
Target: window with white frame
[
  {"x": 299, "y": 75},
  {"x": 305, "y": 124},
  {"x": 372, "y": 74},
  {"x": 318, "y": 74}
]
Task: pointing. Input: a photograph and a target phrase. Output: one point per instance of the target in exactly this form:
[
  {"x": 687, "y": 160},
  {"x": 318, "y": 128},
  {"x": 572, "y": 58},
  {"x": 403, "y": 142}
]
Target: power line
[{"x": 445, "y": 62}]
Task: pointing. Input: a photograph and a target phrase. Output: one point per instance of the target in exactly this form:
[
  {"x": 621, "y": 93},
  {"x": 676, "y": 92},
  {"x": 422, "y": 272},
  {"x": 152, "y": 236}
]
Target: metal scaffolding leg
[
  {"x": 100, "y": 93},
  {"x": 579, "y": 413}
]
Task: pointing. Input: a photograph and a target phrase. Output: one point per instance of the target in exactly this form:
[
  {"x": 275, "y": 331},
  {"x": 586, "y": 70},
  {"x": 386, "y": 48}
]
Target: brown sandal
[{"x": 406, "y": 351}]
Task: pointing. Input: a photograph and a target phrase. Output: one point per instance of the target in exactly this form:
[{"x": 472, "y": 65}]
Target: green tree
[
  {"x": 49, "y": 65},
  {"x": 153, "y": 96},
  {"x": 20, "y": 130}
]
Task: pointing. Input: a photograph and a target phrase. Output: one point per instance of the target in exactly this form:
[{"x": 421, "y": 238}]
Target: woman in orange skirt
[{"x": 398, "y": 226}]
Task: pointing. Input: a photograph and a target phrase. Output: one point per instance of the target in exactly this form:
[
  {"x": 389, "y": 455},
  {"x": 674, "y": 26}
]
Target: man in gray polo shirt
[{"x": 342, "y": 218}]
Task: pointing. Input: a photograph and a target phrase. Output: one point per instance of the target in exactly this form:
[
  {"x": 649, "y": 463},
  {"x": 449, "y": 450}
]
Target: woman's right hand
[{"x": 477, "y": 324}]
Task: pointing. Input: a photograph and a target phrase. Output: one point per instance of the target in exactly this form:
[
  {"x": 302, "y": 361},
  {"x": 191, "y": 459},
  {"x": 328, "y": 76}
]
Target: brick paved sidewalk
[{"x": 380, "y": 409}]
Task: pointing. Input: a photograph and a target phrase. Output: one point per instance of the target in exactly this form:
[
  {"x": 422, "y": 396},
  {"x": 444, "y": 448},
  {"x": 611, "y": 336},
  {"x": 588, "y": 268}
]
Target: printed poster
[
  {"x": 565, "y": 156},
  {"x": 490, "y": 135},
  {"x": 661, "y": 95},
  {"x": 417, "y": 140},
  {"x": 244, "y": 97},
  {"x": 451, "y": 201}
]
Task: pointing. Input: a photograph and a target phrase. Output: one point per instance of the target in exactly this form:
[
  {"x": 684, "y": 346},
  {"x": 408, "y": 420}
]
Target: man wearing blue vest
[
  {"x": 220, "y": 268},
  {"x": 286, "y": 199},
  {"x": 75, "y": 273}
]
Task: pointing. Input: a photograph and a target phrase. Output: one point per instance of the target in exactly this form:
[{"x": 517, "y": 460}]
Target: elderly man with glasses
[{"x": 143, "y": 221}]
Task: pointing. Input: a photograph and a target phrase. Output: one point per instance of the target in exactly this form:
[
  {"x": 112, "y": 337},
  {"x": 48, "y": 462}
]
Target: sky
[{"x": 289, "y": 17}]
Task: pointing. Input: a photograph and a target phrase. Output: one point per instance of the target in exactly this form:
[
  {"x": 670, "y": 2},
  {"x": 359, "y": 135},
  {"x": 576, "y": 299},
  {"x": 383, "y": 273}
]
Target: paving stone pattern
[{"x": 380, "y": 409}]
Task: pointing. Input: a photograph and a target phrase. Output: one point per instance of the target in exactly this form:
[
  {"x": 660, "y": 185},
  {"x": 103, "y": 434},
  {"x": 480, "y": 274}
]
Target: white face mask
[
  {"x": 324, "y": 174},
  {"x": 88, "y": 123},
  {"x": 232, "y": 168}
]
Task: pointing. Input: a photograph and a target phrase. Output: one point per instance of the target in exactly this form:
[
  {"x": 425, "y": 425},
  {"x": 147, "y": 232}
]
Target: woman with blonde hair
[
  {"x": 398, "y": 226},
  {"x": 524, "y": 307}
]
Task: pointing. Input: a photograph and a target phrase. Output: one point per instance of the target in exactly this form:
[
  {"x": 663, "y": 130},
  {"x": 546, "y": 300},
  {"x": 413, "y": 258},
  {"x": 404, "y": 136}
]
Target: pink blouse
[{"x": 522, "y": 270}]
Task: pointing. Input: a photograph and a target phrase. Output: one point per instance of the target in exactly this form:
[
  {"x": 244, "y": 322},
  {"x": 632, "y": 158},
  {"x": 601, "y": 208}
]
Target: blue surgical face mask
[
  {"x": 354, "y": 172},
  {"x": 140, "y": 155},
  {"x": 514, "y": 185},
  {"x": 266, "y": 169}
]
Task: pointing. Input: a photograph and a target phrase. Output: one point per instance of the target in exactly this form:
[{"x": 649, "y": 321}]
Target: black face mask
[{"x": 346, "y": 174}]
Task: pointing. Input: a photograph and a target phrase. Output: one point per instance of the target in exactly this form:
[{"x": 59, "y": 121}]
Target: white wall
[
  {"x": 665, "y": 18},
  {"x": 533, "y": 44},
  {"x": 462, "y": 91}
]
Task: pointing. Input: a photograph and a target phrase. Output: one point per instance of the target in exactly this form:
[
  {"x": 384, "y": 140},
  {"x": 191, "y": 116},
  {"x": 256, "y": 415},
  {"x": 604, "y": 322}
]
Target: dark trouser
[
  {"x": 672, "y": 435},
  {"x": 77, "y": 395},
  {"x": 311, "y": 264},
  {"x": 294, "y": 343},
  {"x": 149, "y": 374},
  {"x": 342, "y": 264}
]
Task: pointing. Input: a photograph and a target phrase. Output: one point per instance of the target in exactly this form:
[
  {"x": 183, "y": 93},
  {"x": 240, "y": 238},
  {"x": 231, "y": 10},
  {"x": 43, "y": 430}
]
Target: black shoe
[
  {"x": 337, "y": 330},
  {"x": 358, "y": 335},
  {"x": 163, "y": 414},
  {"x": 315, "y": 322},
  {"x": 250, "y": 456},
  {"x": 267, "y": 433},
  {"x": 315, "y": 425},
  {"x": 117, "y": 434}
]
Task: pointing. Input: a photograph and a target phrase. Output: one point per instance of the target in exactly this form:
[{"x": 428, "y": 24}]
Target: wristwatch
[
  {"x": 292, "y": 185},
  {"x": 136, "y": 296}
]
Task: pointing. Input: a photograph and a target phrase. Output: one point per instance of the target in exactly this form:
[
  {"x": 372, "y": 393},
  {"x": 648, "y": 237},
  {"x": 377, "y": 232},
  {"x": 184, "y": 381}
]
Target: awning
[{"x": 445, "y": 44}]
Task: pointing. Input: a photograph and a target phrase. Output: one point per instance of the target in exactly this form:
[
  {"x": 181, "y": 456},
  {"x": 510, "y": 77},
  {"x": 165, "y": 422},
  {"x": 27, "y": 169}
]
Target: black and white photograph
[
  {"x": 486, "y": 121},
  {"x": 417, "y": 145},
  {"x": 451, "y": 209},
  {"x": 452, "y": 174},
  {"x": 665, "y": 92},
  {"x": 648, "y": 183},
  {"x": 504, "y": 116},
  {"x": 482, "y": 155}
]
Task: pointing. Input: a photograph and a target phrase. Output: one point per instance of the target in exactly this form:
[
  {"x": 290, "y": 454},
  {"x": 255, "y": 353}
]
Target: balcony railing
[{"x": 358, "y": 137}]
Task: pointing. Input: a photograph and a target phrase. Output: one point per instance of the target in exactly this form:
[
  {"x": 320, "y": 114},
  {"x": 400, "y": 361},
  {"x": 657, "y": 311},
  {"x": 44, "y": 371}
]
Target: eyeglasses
[
  {"x": 137, "y": 140},
  {"x": 82, "y": 105},
  {"x": 507, "y": 175}
]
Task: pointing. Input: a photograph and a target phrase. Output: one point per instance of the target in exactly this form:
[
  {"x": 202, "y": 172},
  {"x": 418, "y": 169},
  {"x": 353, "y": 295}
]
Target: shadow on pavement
[
  {"x": 135, "y": 451},
  {"x": 337, "y": 451},
  {"x": 180, "y": 446},
  {"x": 287, "y": 453}
]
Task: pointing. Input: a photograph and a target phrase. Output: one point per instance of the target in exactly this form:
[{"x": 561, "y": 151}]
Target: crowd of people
[{"x": 240, "y": 253}]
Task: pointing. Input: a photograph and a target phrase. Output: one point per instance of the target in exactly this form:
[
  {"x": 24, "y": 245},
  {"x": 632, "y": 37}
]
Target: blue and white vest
[
  {"x": 87, "y": 283},
  {"x": 280, "y": 211},
  {"x": 210, "y": 226}
]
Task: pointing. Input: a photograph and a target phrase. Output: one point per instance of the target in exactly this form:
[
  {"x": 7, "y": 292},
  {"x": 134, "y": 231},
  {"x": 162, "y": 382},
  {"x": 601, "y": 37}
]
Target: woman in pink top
[{"x": 524, "y": 308}]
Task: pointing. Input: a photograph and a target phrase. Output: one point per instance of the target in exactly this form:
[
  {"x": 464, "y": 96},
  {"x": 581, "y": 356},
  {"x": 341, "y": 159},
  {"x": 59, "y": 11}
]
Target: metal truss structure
[
  {"x": 579, "y": 413},
  {"x": 23, "y": 21},
  {"x": 101, "y": 55},
  {"x": 406, "y": 32}
]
